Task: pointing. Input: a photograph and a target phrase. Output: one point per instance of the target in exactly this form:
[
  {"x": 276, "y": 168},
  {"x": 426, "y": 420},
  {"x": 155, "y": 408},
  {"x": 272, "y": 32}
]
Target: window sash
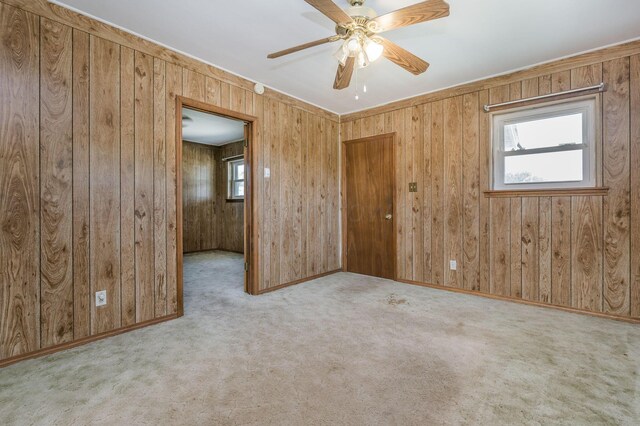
[
  {"x": 232, "y": 178},
  {"x": 585, "y": 107}
]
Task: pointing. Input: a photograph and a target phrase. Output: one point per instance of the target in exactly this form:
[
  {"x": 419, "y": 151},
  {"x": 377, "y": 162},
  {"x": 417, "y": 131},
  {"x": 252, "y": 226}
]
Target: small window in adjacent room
[
  {"x": 545, "y": 147},
  {"x": 235, "y": 179}
]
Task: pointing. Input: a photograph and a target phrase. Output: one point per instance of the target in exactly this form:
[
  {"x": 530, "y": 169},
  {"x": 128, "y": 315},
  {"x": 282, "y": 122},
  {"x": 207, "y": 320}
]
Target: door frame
[
  {"x": 250, "y": 254},
  {"x": 344, "y": 197}
]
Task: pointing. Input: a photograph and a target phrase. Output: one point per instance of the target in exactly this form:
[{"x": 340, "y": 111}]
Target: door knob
[{"x": 388, "y": 216}]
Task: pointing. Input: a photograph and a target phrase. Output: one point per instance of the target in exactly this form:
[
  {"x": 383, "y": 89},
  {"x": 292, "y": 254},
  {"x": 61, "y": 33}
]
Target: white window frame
[
  {"x": 587, "y": 106},
  {"x": 230, "y": 178}
]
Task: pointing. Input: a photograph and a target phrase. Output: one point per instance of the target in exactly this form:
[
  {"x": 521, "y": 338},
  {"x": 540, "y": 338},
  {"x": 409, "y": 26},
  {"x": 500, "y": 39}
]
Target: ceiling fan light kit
[{"x": 359, "y": 27}]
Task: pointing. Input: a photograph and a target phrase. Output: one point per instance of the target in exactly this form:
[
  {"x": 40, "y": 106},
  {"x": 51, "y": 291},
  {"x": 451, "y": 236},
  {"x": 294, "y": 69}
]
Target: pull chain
[{"x": 357, "y": 97}]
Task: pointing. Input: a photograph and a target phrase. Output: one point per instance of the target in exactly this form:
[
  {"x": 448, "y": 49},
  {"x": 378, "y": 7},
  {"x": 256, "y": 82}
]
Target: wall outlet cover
[
  {"x": 453, "y": 265},
  {"x": 101, "y": 298},
  {"x": 267, "y": 172}
]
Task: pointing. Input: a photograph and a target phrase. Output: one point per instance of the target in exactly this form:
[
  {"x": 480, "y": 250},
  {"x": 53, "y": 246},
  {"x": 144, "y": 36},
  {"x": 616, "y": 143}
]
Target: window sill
[
  {"x": 560, "y": 192},
  {"x": 235, "y": 200}
]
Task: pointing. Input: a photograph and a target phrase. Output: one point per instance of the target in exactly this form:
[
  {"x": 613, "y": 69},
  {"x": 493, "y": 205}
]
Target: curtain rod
[
  {"x": 600, "y": 88},
  {"x": 233, "y": 157}
]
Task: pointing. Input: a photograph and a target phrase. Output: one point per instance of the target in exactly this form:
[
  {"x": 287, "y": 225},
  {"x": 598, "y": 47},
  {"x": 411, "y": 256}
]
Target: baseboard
[
  {"x": 300, "y": 281},
  {"x": 83, "y": 341},
  {"x": 525, "y": 302}
]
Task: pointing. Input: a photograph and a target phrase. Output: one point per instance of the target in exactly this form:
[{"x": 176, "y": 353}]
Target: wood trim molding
[
  {"x": 300, "y": 281},
  {"x": 84, "y": 23},
  {"x": 608, "y": 53},
  {"x": 598, "y": 192},
  {"x": 64, "y": 346},
  {"x": 524, "y": 302},
  {"x": 250, "y": 219}
]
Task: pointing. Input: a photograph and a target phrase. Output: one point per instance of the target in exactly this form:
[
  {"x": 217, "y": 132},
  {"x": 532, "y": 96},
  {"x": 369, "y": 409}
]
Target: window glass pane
[
  {"x": 565, "y": 166},
  {"x": 239, "y": 171},
  {"x": 238, "y": 189},
  {"x": 543, "y": 132}
]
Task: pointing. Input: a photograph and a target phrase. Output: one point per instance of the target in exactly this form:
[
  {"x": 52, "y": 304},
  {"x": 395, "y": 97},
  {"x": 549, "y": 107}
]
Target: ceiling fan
[{"x": 360, "y": 26}]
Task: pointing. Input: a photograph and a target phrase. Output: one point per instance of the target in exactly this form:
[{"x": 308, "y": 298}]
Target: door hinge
[{"x": 246, "y": 267}]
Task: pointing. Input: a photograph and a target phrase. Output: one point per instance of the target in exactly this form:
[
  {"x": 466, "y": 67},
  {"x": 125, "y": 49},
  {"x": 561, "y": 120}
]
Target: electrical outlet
[
  {"x": 101, "y": 298},
  {"x": 413, "y": 187},
  {"x": 453, "y": 265},
  {"x": 267, "y": 172}
]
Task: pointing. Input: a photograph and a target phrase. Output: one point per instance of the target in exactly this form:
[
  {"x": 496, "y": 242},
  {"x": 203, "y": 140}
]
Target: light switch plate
[
  {"x": 101, "y": 298},
  {"x": 453, "y": 265}
]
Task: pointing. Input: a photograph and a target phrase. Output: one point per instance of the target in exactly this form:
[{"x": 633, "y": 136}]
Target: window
[
  {"x": 545, "y": 147},
  {"x": 235, "y": 179}
]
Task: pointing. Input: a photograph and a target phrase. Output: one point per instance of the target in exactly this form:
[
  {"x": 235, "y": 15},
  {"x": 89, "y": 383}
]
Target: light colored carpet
[{"x": 344, "y": 349}]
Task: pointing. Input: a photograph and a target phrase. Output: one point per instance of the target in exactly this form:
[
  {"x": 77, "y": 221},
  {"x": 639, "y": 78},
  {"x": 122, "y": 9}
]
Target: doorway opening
[{"x": 214, "y": 201}]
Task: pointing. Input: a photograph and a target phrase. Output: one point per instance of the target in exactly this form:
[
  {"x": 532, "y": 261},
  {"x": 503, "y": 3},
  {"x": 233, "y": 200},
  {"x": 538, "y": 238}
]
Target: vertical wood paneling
[
  {"x": 144, "y": 125},
  {"x": 586, "y": 225},
  {"x": 19, "y": 183},
  {"x": 616, "y": 177},
  {"x": 334, "y": 219},
  {"x": 529, "y": 248},
  {"x": 635, "y": 183},
  {"x": 204, "y": 187},
  {"x": 561, "y": 251},
  {"x": 544, "y": 254},
  {"x": 127, "y": 186},
  {"x": 275, "y": 119},
  {"x": 313, "y": 228},
  {"x": 56, "y": 204},
  {"x": 427, "y": 217},
  {"x": 105, "y": 181},
  {"x": 586, "y": 260},
  {"x": 471, "y": 183},
  {"x": 159, "y": 187},
  {"x": 417, "y": 214},
  {"x": 437, "y": 193},
  {"x": 194, "y": 85},
  {"x": 173, "y": 89},
  {"x": 81, "y": 255},
  {"x": 212, "y": 88},
  {"x": 453, "y": 190}
]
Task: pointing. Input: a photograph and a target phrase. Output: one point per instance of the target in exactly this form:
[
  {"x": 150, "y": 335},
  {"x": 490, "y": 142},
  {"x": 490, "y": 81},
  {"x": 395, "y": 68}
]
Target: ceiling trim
[{"x": 587, "y": 57}]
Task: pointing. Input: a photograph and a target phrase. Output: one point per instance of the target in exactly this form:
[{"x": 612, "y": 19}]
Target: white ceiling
[
  {"x": 210, "y": 129},
  {"x": 479, "y": 39}
]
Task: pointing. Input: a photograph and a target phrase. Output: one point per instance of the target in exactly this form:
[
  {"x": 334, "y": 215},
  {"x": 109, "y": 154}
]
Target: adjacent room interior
[
  {"x": 319, "y": 212},
  {"x": 213, "y": 194}
]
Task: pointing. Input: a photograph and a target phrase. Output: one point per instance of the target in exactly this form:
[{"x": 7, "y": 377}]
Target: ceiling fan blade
[
  {"x": 302, "y": 47},
  {"x": 404, "y": 58},
  {"x": 421, "y": 12},
  {"x": 331, "y": 11},
  {"x": 343, "y": 76}
]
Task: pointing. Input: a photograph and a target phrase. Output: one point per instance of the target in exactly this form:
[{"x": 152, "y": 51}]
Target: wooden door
[{"x": 369, "y": 223}]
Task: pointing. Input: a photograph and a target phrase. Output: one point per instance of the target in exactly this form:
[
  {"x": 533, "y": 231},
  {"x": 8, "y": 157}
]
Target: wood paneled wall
[
  {"x": 200, "y": 204},
  {"x": 573, "y": 251},
  {"x": 88, "y": 177},
  {"x": 209, "y": 221},
  {"x": 231, "y": 216}
]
